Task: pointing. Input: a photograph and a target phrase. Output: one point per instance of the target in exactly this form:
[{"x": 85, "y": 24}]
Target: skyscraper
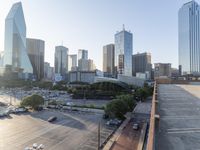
[
  {"x": 123, "y": 52},
  {"x": 61, "y": 60},
  {"x": 35, "y": 48},
  {"x": 142, "y": 63},
  {"x": 108, "y": 59},
  {"x": 72, "y": 62},
  {"x": 189, "y": 37},
  {"x": 82, "y": 54},
  {"x": 15, "y": 53}
]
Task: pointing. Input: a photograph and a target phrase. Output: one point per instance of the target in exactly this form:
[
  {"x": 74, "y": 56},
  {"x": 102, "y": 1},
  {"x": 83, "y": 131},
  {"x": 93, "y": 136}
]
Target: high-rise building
[
  {"x": 15, "y": 53},
  {"x": 48, "y": 71},
  {"x": 142, "y": 63},
  {"x": 108, "y": 59},
  {"x": 72, "y": 62},
  {"x": 123, "y": 52},
  {"x": 189, "y": 37},
  {"x": 61, "y": 60},
  {"x": 82, "y": 54},
  {"x": 86, "y": 65},
  {"x": 35, "y": 48},
  {"x": 162, "y": 70}
]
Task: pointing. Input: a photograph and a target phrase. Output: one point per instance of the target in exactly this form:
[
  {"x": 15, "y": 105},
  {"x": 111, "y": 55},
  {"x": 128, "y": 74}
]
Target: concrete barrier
[{"x": 142, "y": 137}]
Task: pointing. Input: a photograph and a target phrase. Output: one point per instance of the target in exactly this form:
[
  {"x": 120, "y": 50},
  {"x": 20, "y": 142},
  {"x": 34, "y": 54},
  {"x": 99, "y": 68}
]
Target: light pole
[{"x": 98, "y": 137}]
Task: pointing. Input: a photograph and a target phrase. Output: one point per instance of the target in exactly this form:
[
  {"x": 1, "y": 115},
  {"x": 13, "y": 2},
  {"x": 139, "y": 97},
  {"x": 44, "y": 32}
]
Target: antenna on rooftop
[{"x": 123, "y": 27}]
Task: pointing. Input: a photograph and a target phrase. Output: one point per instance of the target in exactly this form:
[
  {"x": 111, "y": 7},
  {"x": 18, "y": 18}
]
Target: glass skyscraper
[
  {"x": 123, "y": 52},
  {"x": 82, "y": 54},
  {"x": 35, "y": 48},
  {"x": 189, "y": 38},
  {"x": 72, "y": 62},
  {"x": 15, "y": 53},
  {"x": 108, "y": 59},
  {"x": 61, "y": 60}
]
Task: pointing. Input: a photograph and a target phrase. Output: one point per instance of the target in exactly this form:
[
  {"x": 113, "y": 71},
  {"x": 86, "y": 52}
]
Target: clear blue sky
[{"x": 90, "y": 24}]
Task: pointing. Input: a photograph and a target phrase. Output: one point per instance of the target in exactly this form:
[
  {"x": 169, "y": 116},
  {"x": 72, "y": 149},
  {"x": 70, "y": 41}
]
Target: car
[
  {"x": 35, "y": 145},
  {"x": 40, "y": 147},
  {"x": 135, "y": 126},
  {"x": 113, "y": 122},
  {"x": 52, "y": 118}
]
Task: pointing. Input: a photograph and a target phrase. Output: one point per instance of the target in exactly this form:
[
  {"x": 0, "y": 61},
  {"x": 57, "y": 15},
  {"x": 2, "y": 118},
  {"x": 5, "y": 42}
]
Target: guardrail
[{"x": 151, "y": 135}]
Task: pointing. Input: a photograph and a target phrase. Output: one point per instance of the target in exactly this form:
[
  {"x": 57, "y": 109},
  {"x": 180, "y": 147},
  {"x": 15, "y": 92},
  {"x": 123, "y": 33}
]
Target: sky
[{"x": 91, "y": 24}]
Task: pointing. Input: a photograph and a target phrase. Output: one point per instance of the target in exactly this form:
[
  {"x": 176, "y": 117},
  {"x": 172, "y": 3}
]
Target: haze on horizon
[{"x": 90, "y": 25}]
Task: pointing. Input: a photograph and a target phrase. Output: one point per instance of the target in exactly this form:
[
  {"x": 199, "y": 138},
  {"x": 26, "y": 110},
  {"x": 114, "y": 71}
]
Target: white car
[
  {"x": 40, "y": 147},
  {"x": 35, "y": 145}
]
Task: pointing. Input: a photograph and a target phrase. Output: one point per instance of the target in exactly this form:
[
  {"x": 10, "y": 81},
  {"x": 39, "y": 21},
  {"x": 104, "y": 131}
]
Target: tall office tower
[
  {"x": 142, "y": 63},
  {"x": 82, "y": 54},
  {"x": 91, "y": 65},
  {"x": 15, "y": 53},
  {"x": 72, "y": 62},
  {"x": 162, "y": 69},
  {"x": 35, "y": 48},
  {"x": 123, "y": 52},
  {"x": 48, "y": 71},
  {"x": 108, "y": 59},
  {"x": 189, "y": 37},
  {"x": 61, "y": 60}
]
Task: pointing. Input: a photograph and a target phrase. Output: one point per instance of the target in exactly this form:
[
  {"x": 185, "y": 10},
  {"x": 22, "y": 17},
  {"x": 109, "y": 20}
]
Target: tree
[
  {"x": 33, "y": 101},
  {"x": 120, "y": 106}
]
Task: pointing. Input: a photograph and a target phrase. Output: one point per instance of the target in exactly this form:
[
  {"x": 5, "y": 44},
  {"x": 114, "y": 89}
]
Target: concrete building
[
  {"x": 61, "y": 61},
  {"x": 15, "y": 52},
  {"x": 48, "y": 71},
  {"x": 141, "y": 63},
  {"x": 83, "y": 76},
  {"x": 72, "y": 62},
  {"x": 123, "y": 52},
  {"x": 82, "y": 54},
  {"x": 109, "y": 60},
  {"x": 162, "y": 70},
  {"x": 189, "y": 37},
  {"x": 35, "y": 49},
  {"x": 86, "y": 65}
]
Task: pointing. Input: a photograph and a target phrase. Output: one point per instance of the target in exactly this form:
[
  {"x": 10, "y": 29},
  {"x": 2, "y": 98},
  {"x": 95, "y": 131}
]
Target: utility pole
[{"x": 98, "y": 136}]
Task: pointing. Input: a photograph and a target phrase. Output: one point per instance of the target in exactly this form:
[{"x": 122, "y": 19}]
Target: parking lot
[
  {"x": 178, "y": 126},
  {"x": 71, "y": 131}
]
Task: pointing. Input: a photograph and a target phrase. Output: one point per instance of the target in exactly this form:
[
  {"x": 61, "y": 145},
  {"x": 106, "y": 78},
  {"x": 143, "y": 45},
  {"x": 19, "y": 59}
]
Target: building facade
[
  {"x": 189, "y": 37},
  {"x": 86, "y": 65},
  {"x": 162, "y": 70},
  {"x": 15, "y": 52},
  {"x": 48, "y": 71},
  {"x": 141, "y": 63},
  {"x": 109, "y": 59},
  {"x": 61, "y": 61},
  {"x": 82, "y": 54},
  {"x": 72, "y": 62},
  {"x": 123, "y": 52},
  {"x": 35, "y": 48}
]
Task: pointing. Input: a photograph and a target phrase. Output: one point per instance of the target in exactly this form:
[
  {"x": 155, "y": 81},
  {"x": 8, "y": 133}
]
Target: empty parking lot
[{"x": 179, "y": 124}]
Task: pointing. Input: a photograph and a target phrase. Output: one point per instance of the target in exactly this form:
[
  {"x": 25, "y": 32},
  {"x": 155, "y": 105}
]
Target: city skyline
[{"x": 76, "y": 34}]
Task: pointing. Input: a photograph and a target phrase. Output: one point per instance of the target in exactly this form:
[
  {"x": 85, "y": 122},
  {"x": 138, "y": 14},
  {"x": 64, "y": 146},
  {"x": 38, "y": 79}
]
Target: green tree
[
  {"x": 33, "y": 101},
  {"x": 120, "y": 106}
]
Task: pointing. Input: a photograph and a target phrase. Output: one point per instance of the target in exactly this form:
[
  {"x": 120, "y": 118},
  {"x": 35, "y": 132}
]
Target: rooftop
[{"x": 179, "y": 124}]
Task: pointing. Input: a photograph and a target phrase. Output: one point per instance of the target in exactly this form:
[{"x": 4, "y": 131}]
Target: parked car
[
  {"x": 135, "y": 126},
  {"x": 113, "y": 122},
  {"x": 52, "y": 118}
]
